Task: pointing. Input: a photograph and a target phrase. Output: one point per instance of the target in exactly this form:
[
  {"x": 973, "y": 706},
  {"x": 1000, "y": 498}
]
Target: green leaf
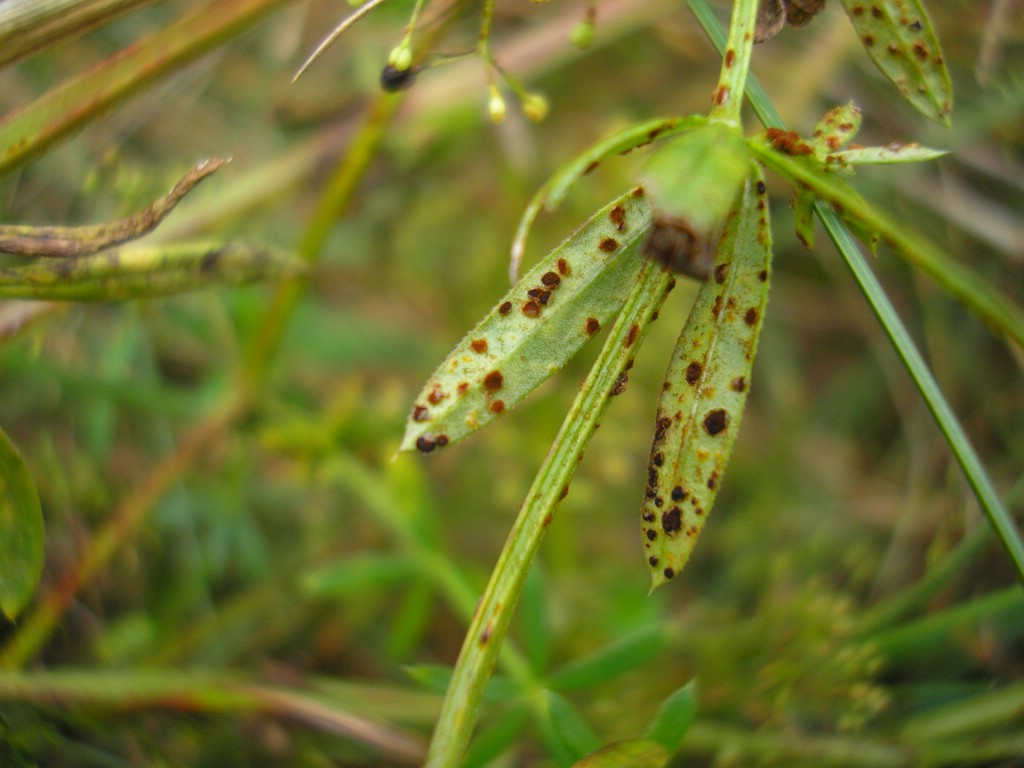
[
  {"x": 674, "y": 717},
  {"x": 565, "y": 733},
  {"x": 534, "y": 329},
  {"x": 625, "y": 654},
  {"x": 136, "y": 272},
  {"x": 632, "y": 753},
  {"x": 496, "y": 739},
  {"x": 357, "y": 573},
  {"x": 554, "y": 191},
  {"x": 887, "y": 155},
  {"x": 836, "y": 128},
  {"x": 899, "y": 38},
  {"x": 705, "y": 391},
  {"x": 21, "y": 531}
]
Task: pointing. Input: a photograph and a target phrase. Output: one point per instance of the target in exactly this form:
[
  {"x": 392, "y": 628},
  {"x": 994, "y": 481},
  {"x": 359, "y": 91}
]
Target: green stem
[
  {"x": 728, "y": 97},
  {"x": 494, "y": 612}
]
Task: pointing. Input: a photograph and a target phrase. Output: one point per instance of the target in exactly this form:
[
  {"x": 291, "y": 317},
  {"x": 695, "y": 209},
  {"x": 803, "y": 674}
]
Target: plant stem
[
  {"x": 728, "y": 96},
  {"x": 494, "y": 613}
]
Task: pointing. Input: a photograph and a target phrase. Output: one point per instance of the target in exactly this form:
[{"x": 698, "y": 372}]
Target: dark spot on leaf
[
  {"x": 653, "y": 561},
  {"x": 478, "y": 345},
  {"x": 551, "y": 279},
  {"x": 658, "y": 502},
  {"x": 591, "y": 166},
  {"x": 493, "y": 381},
  {"x": 761, "y": 188},
  {"x": 425, "y": 444},
  {"x": 563, "y": 267},
  {"x": 441, "y": 441},
  {"x": 693, "y": 372},
  {"x": 713, "y": 480},
  {"x": 669, "y": 573},
  {"x": 721, "y": 271},
  {"x": 563, "y": 493},
  {"x": 420, "y": 413},
  {"x": 631, "y": 336},
  {"x": 505, "y": 308},
  {"x": 762, "y": 275},
  {"x": 750, "y": 317},
  {"x": 661, "y": 427},
  {"x": 739, "y": 384},
  {"x": 485, "y": 636},
  {"x": 673, "y": 244},
  {"x": 716, "y": 421},
  {"x": 620, "y": 384},
  {"x": 658, "y": 459},
  {"x": 649, "y": 517},
  {"x": 678, "y": 494},
  {"x": 651, "y": 534},
  {"x": 462, "y": 387},
  {"x": 672, "y": 521},
  {"x": 609, "y": 245},
  {"x": 531, "y": 308},
  {"x": 497, "y": 406},
  {"x": 617, "y": 216},
  {"x": 638, "y": 192},
  {"x": 436, "y": 395},
  {"x": 393, "y": 79},
  {"x": 730, "y": 57},
  {"x": 788, "y": 142},
  {"x": 592, "y": 326}
]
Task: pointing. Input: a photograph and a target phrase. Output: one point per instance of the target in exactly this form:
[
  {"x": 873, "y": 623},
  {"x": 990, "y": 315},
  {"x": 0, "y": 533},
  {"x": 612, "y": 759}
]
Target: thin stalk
[
  {"x": 728, "y": 97},
  {"x": 998, "y": 516},
  {"x": 494, "y": 613}
]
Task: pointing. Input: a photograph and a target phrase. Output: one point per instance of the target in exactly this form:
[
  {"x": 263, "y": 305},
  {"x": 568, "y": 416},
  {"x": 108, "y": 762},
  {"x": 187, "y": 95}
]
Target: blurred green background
[{"x": 845, "y": 605}]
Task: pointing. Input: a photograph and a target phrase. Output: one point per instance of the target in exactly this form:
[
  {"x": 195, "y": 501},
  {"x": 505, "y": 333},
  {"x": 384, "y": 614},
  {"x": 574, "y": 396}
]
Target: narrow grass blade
[
  {"x": 30, "y": 26},
  {"x": 30, "y": 131},
  {"x": 21, "y": 531},
  {"x": 534, "y": 329},
  {"x": 67, "y": 242},
  {"x": 137, "y": 272},
  {"x": 898, "y": 36},
  {"x": 632, "y": 753}
]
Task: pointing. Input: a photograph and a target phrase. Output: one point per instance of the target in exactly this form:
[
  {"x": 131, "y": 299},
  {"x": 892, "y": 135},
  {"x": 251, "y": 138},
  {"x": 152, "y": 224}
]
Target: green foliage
[{"x": 241, "y": 568}]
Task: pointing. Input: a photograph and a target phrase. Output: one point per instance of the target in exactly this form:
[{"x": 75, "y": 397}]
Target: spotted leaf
[
  {"x": 705, "y": 389},
  {"x": 899, "y": 38},
  {"x": 535, "y": 328}
]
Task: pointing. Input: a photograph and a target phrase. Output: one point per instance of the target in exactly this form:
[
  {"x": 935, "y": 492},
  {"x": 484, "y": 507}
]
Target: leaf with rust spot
[{"x": 899, "y": 38}]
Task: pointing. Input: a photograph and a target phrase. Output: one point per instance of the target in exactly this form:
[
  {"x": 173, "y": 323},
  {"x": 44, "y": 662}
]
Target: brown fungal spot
[
  {"x": 669, "y": 573},
  {"x": 617, "y": 216},
  {"x": 658, "y": 459},
  {"x": 638, "y": 192},
  {"x": 591, "y": 167},
  {"x": 739, "y": 384},
  {"x": 674, "y": 244},
  {"x": 915, "y": 26},
  {"x": 485, "y": 636},
  {"x": 420, "y": 413},
  {"x": 661, "y": 427},
  {"x": 436, "y": 395},
  {"x": 651, "y": 534},
  {"x": 716, "y": 309},
  {"x": 920, "y": 51},
  {"x": 497, "y": 407},
  {"x": 493, "y": 381},
  {"x": 868, "y": 40},
  {"x": 761, "y": 188},
  {"x": 713, "y": 480},
  {"x": 716, "y": 421},
  {"x": 721, "y": 94},
  {"x": 563, "y": 267},
  {"x": 441, "y": 441},
  {"x": 876, "y": 11},
  {"x": 620, "y": 384},
  {"x": 531, "y": 308},
  {"x": 653, "y": 560},
  {"x": 462, "y": 387},
  {"x": 762, "y": 275},
  {"x": 592, "y": 326},
  {"x": 609, "y": 245},
  {"x": 693, "y": 372},
  {"x": 658, "y": 501},
  {"x": 649, "y": 517},
  {"x": 547, "y": 520},
  {"x": 730, "y": 57},
  {"x": 478, "y": 345},
  {"x": 505, "y": 308},
  {"x": 563, "y": 493},
  {"x": 672, "y": 521},
  {"x": 678, "y": 494},
  {"x": 632, "y": 334},
  {"x": 425, "y": 444},
  {"x": 721, "y": 271},
  {"x": 750, "y": 316},
  {"x": 551, "y": 279}
]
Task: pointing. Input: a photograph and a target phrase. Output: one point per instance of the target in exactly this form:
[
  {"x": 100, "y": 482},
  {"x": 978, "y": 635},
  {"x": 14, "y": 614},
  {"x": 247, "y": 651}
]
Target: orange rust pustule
[{"x": 788, "y": 142}]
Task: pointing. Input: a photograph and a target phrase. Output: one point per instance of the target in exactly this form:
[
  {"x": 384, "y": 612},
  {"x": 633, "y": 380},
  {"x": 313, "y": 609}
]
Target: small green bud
[
  {"x": 496, "y": 105},
  {"x": 535, "y": 107},
  {"x": 582, "y": 34},
  {"x": 400, "y": 57}
]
